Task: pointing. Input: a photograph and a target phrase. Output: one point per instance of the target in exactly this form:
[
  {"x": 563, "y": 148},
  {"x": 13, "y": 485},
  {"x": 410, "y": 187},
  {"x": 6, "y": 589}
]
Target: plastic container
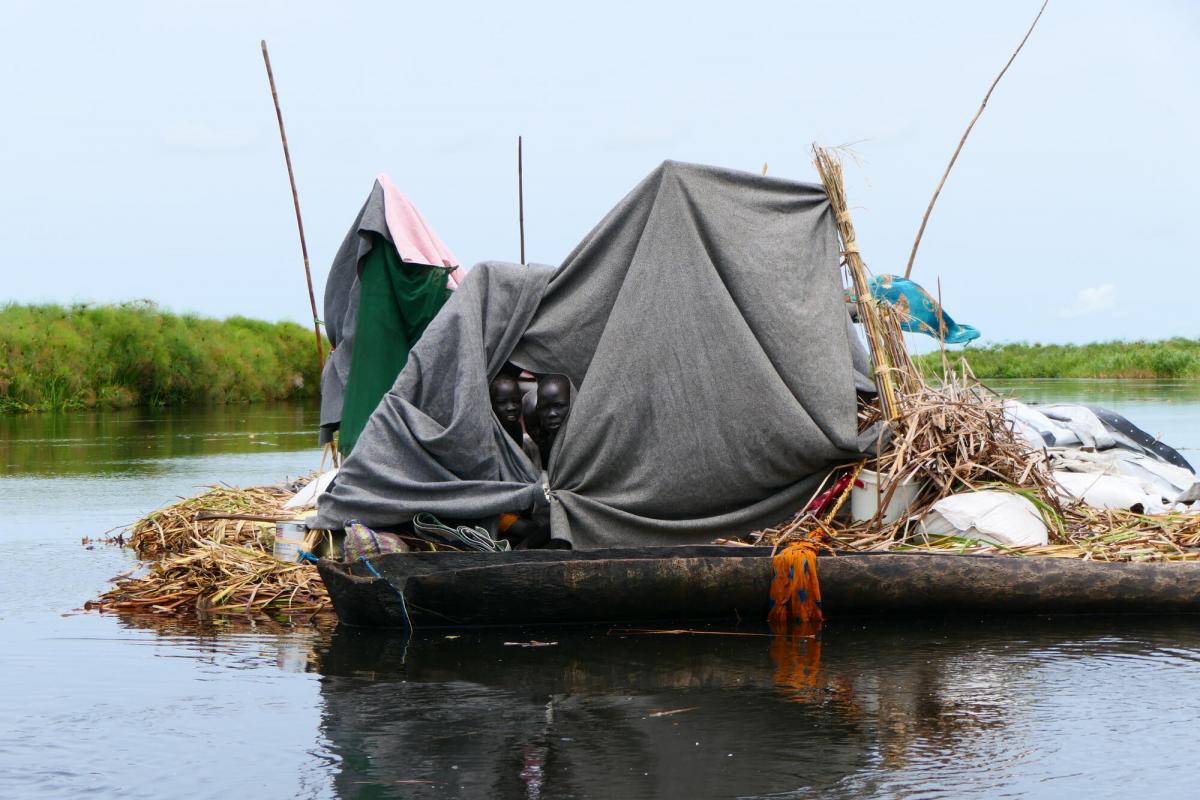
[
  {"x": 289, "y": 539},
  {"x": 866, "y": 494}
]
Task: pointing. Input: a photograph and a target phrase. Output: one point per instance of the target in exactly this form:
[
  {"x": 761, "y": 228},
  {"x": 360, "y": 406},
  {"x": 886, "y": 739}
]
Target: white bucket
[
  {"x": 289, "y": 539},
  {"x": 864, "y": 499}
]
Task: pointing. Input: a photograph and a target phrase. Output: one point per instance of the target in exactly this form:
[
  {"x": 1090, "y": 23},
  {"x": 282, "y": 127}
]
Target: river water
[{"x": 102, "y": 706}]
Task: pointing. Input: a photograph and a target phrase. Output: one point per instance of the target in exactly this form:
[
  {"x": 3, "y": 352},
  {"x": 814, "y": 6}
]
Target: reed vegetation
[
  {"x": 1167, "y": 359},
  {"x": 83, "y": 356}
]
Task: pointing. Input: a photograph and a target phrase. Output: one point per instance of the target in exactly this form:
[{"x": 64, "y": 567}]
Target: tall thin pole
[
  {"x": 287, "y": 157},
  {"x": 925, "y": 219},
  {"x": 521, "y": 197}
]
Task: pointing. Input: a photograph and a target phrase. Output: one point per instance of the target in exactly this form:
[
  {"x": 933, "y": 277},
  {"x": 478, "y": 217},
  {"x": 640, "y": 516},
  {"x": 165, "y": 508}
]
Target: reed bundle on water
[
  {"x": 214, "y": 578},
  {"x": 218, "y": 515},
  {"x": 212, "y": 555}
]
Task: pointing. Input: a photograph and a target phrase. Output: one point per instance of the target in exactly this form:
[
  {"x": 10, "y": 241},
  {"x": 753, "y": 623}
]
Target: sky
[{"x": 140, "y": 159}]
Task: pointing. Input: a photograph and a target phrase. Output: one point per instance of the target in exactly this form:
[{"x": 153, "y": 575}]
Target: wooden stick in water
[
  {"x": 925, "y": 219},
  {"x": 287, "y": 157}
]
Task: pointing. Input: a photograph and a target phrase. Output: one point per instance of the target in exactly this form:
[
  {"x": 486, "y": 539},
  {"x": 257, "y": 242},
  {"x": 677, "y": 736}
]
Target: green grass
[
  {"x": 135, "y": 354},
  {"x": 1171, "y": 358}
]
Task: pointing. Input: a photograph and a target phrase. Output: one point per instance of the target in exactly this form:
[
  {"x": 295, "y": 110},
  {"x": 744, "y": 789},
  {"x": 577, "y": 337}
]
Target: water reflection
[
  {"x": 677, "y": 716},
  {"x": 139, "y": 441}
]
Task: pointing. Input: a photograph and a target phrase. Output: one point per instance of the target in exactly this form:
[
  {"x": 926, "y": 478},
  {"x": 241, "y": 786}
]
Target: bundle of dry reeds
[
  {"x": 215, "y": 578},
  {"x": 956, "y": 438},
  {"x": 950, "y": 438},
  {"x": 222, "y": 514},
  {"x": 213, "y": 555},
  {"x": 829, "y": 167}
]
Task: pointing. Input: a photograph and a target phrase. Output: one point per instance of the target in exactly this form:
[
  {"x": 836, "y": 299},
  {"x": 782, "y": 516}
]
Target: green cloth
[{"x": 396, "y": 301}]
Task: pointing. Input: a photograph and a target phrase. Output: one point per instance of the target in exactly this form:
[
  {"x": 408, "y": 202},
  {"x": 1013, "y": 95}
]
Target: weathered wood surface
[{"x": 712, "y": 582}]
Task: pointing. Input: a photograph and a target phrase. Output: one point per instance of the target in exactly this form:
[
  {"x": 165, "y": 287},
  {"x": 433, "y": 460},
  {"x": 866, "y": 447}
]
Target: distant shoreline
[
  {"x": 80, "y": 357},
  {"x": 61, "y": 358},
  {"x": 1170, "y": 358}
]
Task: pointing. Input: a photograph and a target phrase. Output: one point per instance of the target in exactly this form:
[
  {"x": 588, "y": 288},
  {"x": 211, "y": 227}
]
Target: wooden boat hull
[{"x": 639, "y": 585}]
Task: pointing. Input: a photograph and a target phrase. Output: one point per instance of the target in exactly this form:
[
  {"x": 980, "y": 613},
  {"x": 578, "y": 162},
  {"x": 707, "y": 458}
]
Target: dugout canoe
[{"x": 711, "y": 582}]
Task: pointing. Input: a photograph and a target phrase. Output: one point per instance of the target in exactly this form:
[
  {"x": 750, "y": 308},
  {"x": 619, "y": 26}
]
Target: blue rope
[
  {"x": 403, "y": 605},
  {"x": 307, "y": 556}
]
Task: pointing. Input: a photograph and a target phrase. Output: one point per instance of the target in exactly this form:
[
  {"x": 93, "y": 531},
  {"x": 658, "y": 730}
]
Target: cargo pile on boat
[
  {"x": 213, "y": 555},
  {"x": 951, "y": 435}
]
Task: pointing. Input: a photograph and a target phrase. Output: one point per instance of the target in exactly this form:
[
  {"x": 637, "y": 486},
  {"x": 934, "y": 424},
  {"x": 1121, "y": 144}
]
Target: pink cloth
[{"x": 415, "y": 241}]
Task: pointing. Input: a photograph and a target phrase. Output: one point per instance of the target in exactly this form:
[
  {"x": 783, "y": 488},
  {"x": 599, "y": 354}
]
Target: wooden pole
[
  {"x": 521, "y": 197},
  {"x": 925, "y": 219},
  {"x": 287, "y": 157}
]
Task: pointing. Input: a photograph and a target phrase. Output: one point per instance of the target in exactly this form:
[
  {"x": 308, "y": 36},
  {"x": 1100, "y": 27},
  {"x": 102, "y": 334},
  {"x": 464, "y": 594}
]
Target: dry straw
[
  {"x": 213, "y": 556},
  {"x": 220, "y": 514},
  {"x": 213, "y": 578}
]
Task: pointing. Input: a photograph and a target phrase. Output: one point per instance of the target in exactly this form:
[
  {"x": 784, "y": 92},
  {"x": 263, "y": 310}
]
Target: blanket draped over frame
[
  {"x": 715, "y": 369},
  {"x": 389, "y": 278}
]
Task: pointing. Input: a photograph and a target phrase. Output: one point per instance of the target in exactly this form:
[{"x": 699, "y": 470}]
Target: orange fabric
[
  {"x": 506, "y": 521},
  {"x": 795, "y": 590}
]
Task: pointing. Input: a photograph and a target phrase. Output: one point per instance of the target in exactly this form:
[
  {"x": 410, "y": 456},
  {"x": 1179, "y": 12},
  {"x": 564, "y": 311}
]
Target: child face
[
  {"x": 553, "y": 402},
  {"x": 505, "y": 394}
]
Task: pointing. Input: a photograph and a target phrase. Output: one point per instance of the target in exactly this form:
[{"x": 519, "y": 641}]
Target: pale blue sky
[{"x": 140, "y": 157}]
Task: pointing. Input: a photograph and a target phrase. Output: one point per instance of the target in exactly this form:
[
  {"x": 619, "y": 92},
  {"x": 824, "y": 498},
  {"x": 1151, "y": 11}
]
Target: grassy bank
[
  {"x": 112, "y": 356},
  {"x": 1171, "y": 358}
]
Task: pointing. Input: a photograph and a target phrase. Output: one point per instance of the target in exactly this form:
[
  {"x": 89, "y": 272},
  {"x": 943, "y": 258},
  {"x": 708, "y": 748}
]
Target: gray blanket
[{"x": 702, "y": 325}]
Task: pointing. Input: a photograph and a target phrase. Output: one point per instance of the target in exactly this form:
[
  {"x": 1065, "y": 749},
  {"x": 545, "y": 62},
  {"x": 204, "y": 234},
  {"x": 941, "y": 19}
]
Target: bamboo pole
[
  {"x": 521, "y": 198},
  {"x": 925, "y": 219},
  {"x": 287, "y": 157},
  {"x": 829, "y": 167}
]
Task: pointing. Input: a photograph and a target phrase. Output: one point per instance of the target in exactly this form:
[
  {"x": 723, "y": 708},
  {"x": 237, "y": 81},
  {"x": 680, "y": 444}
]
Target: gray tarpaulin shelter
[{"x": 703, "y": 326}]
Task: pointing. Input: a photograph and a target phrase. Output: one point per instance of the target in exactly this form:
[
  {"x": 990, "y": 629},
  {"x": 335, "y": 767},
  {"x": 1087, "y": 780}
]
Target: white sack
[
  {"x": 1107, "y": 491},
  {"x": 991, "y": 516},
  {"x": 1161, "y": 480}
]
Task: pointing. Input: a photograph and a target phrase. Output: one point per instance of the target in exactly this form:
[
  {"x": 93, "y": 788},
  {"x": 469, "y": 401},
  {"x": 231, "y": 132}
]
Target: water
[{"x": 96, "y": 705}]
